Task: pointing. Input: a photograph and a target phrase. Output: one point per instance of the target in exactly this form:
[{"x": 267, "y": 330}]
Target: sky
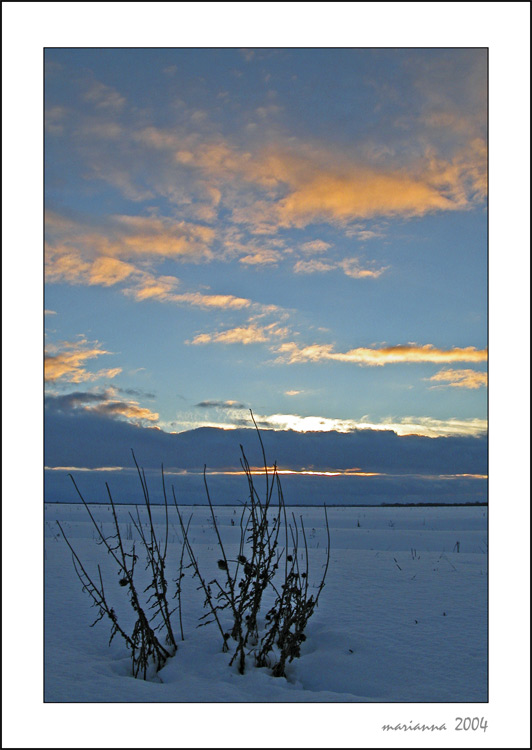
[{"x": 299, "y": 232}]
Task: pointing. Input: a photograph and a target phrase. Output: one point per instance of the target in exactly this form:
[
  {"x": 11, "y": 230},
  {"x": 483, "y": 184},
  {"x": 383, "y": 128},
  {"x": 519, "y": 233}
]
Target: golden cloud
[
  {"x": 106, "y": 271},
  {"x": 129, "y": 237},
  {"x": 361, "y": 194},
  {"x": 461, "y": 378},
  {"x": 306, "y": 183},
  {"x": 69, "y": 364},
  {"x": 291, "y": 353}
]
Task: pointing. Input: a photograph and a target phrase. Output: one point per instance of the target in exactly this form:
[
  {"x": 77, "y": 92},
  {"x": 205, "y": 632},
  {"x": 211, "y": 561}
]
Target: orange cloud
[
  {"x": 106, "y": 271},
  {"x": 461, "y": 378},
  {"x": 363, "y": 193},
  {"x": 129, "y": 237},
  {"x": 69, "y": 364},
  {"x": 305, "y": 184},
  {"x": 291, "y": 353}
]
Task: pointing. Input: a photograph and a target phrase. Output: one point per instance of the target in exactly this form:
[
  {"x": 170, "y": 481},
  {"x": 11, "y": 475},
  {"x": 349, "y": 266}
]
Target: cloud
[
  {"x": 292, "y": 393},
  {"x": 128, "y": 237},
  {"x": 313, "y": 266},
  {"x": 104, "y": 271},
  {"x": 105, "y": 97},
  {"x": 461, "y": 378},
  {"x": 103, "y": 403},
  {"x": 302, "y": 183},
  {"x": 54, "y": 119},
  {"x": 222, "y": 301},
  {"x": 350, "y": 266},
  {"x": 250, "y": 334},
  {"x": 161, "y": 288},
  {"x": 314, "y": 247},
  {"x": 363, "y": 193},
  {"x": 261, "y": 258},
  {"x": 220, "y": 405},
  {"x": 67, "y": 360},
  {"x": 424, "y": 426},
  {"x": 291, "y": 353}
]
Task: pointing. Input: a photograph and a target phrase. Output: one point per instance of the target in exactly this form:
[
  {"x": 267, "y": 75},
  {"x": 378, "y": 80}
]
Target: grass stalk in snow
[{"x": 146, "y": 649}]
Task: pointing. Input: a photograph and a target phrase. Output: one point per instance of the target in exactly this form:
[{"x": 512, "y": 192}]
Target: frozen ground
[{"x": 402, "y": 617}]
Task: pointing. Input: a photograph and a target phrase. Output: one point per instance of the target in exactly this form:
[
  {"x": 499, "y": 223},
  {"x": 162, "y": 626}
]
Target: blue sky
[{"x": 302, "y": 232}]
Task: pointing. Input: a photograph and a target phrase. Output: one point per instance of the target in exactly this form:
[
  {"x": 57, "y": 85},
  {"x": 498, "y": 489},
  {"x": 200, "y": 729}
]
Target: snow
[{"x": 402, "y": 617}]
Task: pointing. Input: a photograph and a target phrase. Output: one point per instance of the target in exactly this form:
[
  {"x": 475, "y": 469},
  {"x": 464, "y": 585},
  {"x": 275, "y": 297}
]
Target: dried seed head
[
  {"x": 123, "y": 581},
  {"x": 222, "y": 564},
  {"x": 241, "y": 559}
]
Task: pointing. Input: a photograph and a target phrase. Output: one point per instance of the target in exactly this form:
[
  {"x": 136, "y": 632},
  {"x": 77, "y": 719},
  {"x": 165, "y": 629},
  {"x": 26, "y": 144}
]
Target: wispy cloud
[
  {"x": 220, "y": 405},
  {"x": 54, "y": 120},
  {"x": 128, "y": 238},
  {"x": 261, "y": 258},
  {"x": 350, "y": 266},
  {"x": 461, "y": 378},
  {"x": 302, "y": 183},
  {"x": 69, "y": 266},
  {"x": 67, "y": 362},
  {"x": 249, "y": 334},
  {"x": 314, "y": 247},
  {"x": 291, "y": 352},
  {"x": 104, "y": 96}
]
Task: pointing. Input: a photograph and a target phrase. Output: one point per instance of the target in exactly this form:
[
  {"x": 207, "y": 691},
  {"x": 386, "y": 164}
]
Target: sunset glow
[{"x": 296, "y": 232}]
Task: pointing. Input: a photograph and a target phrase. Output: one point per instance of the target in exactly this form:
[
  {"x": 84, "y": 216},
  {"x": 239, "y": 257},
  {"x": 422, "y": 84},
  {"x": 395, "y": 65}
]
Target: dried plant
[
  {"x": 255, "y": 572},
  {"x": 149, "y": 652}
]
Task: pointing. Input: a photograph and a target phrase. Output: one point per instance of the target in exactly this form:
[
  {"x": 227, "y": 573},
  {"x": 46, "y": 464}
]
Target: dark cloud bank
[{"x": 414, "y": 466}]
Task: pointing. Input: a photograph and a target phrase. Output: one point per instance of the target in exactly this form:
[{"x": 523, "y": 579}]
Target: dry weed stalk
[{"x": 152, "y": 612}]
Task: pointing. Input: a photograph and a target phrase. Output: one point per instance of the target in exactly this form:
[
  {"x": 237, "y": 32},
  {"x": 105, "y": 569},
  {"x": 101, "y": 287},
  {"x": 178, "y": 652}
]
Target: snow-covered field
[{"x": 402, "y": 617}]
